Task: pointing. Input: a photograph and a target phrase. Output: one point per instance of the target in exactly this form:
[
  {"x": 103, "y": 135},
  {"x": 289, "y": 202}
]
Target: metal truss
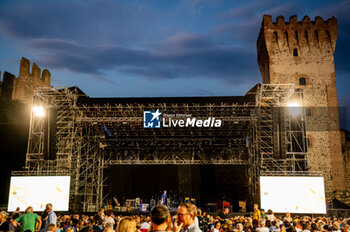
[
  {"x": 277, "y": 144},
  {"x": 93, "y": 134},
  {"x": 291, "y": 173}
]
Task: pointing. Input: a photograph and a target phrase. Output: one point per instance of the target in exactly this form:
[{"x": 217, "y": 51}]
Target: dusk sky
[{"x": 155, "y": 48}]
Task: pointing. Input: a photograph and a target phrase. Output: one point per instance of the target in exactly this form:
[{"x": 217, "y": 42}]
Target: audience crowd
[{"x": 187, "y": 219}]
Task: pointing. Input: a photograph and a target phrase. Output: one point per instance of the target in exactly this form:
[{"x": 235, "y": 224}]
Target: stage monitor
[
  {"x": 37, "y": 191},
  {"x": 294, "y": 194}
]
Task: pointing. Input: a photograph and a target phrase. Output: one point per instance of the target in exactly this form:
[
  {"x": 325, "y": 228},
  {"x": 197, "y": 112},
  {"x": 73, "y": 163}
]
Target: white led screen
[
  {"x": 37, "y": 191},
  {"x": 293, "y": 194}
]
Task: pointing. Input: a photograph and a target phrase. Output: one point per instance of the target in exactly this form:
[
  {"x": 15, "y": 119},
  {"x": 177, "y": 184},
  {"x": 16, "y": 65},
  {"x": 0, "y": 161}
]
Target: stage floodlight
[
  {"x": 38, "y": 111},
  {"x": 294, "y": 108}
]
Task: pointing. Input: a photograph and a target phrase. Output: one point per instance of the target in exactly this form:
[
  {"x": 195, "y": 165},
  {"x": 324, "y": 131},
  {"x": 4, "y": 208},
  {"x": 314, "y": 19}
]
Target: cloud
[
  {"x": 181, "y": 56},
  {"x": 89, "y": 22}
]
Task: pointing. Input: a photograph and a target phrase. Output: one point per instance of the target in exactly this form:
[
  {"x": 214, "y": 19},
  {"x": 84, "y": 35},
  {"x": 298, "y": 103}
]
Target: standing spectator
[
  {"x": 239, "y": 227},
  {"x": 145, "y": 225},
  {"x": 16, "y": 213},
  {"x": 256, "y": 214},
  {"x": 263, "y": 215},
  {"x": 109, "y": 217},
  {"x": 287, "y": 217},
  {"x": 108, "y": 227},
  {"x": 28, "y": 220},
  {"x": 70, "y": 225},
  {"x": 217, "y": 227},
  {"x": 223, "y": 215},
  {"x": 127, "y": 224},
  {"x": 4, "y": 224},
  {"x": 100, "y": 215},
  {"x": 270, "y": 216},
  {"x": 51, "y": 227},
  {"x": 262, "y": 227},
  {"x": 186, "y": 214},
  {"x": 200, "y": 219},
  {"x": 51, "y": 216},
  {"x": 160, "y": 218}
]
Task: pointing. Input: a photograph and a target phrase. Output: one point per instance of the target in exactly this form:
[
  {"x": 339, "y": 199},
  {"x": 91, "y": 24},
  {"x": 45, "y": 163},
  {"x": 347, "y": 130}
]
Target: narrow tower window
[
  {"x": 302, "y": 81},
  {"x": 295, "y": 52},
  {"x": 296, "y": 36},
  {"x": 328, "y": 36},
  {"x": 306, "y": 36},
  {"x": 275, "y": 36},
  {"x": 316, "y": 35}
]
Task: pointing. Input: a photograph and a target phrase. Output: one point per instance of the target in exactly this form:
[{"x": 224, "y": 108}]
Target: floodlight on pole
[
  {"x": 294, "y": 108},
  {"x": 38, "y": 111}
]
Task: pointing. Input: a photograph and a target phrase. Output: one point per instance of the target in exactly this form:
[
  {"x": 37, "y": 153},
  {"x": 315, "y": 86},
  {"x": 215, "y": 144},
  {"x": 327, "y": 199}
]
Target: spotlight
[
  {"x": 294, "y": 108},
  {"x": 38, "y": 111}
]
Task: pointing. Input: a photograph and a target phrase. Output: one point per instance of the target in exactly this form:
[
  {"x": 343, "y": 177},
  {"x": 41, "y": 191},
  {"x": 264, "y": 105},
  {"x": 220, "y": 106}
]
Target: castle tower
[
  {"x": 302, "y": 53},
  {"x": 27, "y": 82}
]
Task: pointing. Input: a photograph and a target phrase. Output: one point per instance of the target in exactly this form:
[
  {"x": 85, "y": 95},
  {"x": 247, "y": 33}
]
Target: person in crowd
[
  {"x": 282, "y": 228},
  {"x": 200, "y": 219},
  {"x": 296, "y": 225},
  {"x": 71, "y": 225},
  {"x": 108, "y": 226},
  {"x": 186, "y": 214},
  {"x": 29, "y": 220},
  {"x": 262, "y": 214},
  {"x": 51, "y": 227},
  {"x": 16, "y": 213},
  {"x": 51, "y": 215},
  {"x": 4, "y": 223},
  {"x": 127, "y": 224},
  {"x": 306, "y": 227},
  {"x": 262, "y": 226},
  {"x": 223, "y": 215},
  {"x": 256, "y": 214},
  {"x": 160, "y": 219},
  {"x": 109, "y": 217},
  {"x": 239, "y": 227},
  {"x": 270, "y": 216},
  {"x": 145, "y": 224},
  {"x": 100, "y": 215},
  {"x": 287, "y": 217},
  {"x": 217, "y": 227}
]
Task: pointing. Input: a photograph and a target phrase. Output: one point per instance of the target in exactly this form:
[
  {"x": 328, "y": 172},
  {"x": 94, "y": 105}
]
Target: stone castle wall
[
  {"x": 291, "y": 50},
  {"x": 22, "y": 88}
]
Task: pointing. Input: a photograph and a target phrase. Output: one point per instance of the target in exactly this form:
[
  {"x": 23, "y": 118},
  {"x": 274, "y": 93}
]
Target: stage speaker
[{"x": 50, "y": 130}]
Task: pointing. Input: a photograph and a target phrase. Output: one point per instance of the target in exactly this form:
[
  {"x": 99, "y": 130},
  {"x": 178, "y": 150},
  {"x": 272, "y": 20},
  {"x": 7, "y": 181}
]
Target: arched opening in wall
[
  {"x": 302, "y": 81},
  {"x": 295, "y": 52}
]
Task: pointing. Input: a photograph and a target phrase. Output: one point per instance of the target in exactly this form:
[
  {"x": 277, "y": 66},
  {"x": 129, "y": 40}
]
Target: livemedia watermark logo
[{"x": 152, "y": 119}]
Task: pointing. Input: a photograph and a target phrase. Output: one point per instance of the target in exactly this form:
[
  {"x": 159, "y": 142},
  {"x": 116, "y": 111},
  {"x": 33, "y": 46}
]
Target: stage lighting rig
[{"x": 38, "y": 111}]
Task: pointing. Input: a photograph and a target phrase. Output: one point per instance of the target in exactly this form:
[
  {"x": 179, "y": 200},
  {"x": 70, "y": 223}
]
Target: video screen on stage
[
  {"x": 37, "y": 191},
  {"x": 293, "y": 194}
]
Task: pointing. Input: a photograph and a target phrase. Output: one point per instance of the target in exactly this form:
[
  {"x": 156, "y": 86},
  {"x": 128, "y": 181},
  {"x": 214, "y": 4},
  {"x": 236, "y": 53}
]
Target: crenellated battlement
[
  {"x": 299, "y": 37},
  {"x": 36, "y": 74},
  {"x": 22, "y": 88}
]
